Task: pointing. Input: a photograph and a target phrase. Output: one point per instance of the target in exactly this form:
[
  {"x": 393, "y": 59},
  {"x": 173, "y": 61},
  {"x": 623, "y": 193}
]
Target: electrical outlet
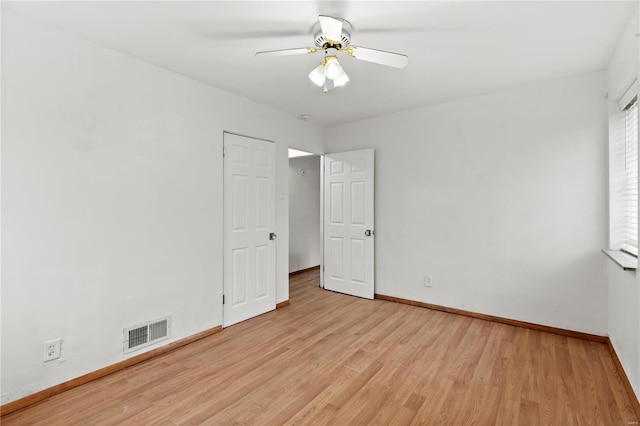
[
  {"x": 52, "y": 349},
  {"x": 427, "y": 281}
]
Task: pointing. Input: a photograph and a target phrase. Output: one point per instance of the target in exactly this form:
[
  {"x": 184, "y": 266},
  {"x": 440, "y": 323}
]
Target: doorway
[
  {"x": 305, "y": 242},
  {"x": 339, "y": 198}
]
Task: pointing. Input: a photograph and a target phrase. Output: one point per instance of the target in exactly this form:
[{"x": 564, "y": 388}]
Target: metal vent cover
[{"x": 146, "y": 334}]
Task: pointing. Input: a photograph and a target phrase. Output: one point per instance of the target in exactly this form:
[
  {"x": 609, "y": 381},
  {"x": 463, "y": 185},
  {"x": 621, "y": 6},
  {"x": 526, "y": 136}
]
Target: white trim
[
  {"x": 629, "y": 94},
  {"x": 622, "y": 259},
  {"x": 293, "y": 153}
]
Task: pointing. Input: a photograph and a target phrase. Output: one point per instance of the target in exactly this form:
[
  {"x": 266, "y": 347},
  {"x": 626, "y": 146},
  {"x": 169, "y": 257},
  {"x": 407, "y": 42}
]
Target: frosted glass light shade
[
  {"x": 317, "y": 75},
  {"x": 332, "y": 69},
  {"x": 342, "y": 80}
]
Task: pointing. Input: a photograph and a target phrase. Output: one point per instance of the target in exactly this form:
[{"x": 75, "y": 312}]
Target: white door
[
  {"x": 249, "y": 228},
  {"x": 348, "y": 223}
]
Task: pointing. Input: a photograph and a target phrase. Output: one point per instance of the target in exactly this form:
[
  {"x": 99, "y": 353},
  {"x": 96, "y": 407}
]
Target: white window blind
[{"x": 631, "y": 177}]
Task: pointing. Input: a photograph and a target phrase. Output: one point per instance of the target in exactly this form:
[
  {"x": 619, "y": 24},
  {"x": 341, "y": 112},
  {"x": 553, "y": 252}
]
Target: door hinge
[
  {"x": 223, "y": 299},
  {"x": 224, "y": 152}
]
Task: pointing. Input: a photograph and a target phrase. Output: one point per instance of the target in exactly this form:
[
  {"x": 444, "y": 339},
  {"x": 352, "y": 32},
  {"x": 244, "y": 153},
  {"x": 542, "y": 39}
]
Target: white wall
[
  {"x": 112, "y": 203},
  {"x": 304, "y": 212},
  {"x": 112, "y": 200},
  {"x": 500, "y": 198},
  {"x": 624, "y": 287}
]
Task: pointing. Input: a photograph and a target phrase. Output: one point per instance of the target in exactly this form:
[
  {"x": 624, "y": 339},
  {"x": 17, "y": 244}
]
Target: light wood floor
[{"x": 335, "y": 359}]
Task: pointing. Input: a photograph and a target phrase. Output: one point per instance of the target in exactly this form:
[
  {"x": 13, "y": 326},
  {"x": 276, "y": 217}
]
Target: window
[
  {"x": 631, "y": 177},
  {"x": 623, "y": 180}
]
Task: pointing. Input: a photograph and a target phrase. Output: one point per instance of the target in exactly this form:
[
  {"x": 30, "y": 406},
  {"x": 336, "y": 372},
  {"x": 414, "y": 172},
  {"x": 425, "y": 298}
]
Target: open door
[
  {"x": 249, "y": 226},
  {"x": 348, "y": 223}
]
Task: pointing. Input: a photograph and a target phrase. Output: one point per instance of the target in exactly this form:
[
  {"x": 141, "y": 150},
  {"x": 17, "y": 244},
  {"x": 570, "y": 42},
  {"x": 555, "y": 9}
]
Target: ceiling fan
[{"x": 333, "y": 35}]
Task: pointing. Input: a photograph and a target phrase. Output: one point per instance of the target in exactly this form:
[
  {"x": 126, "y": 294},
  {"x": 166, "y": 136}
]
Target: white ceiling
[{"x": 456, "y": 49}]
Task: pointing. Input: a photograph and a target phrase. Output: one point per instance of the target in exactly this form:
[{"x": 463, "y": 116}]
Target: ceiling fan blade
[
  {"x": 331, "y": 28},
  {"x": 382, "y": 57},
  {"x": 287, "y": 52}
]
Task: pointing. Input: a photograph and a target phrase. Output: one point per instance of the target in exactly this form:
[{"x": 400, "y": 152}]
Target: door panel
[
  {"x": 357, "y": 203},
  {"x": 348, "y": 214},
  {"x": 358, "y": 260},
  {"x": 262, "y": 204},
  {"x": 239, "y": 284},
  {"x": 336, "y": 258},
  {"x": 337, "y": 203},
  {"x": 239, "y": 211},
  {"x": 262, "y": 271},
  {"x": 249, "y": 218},
  {"x": 336, "y": 167}
]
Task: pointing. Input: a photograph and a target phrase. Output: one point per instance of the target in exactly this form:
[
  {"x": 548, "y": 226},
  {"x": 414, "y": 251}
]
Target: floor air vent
[{"x": 146, "y": 334}]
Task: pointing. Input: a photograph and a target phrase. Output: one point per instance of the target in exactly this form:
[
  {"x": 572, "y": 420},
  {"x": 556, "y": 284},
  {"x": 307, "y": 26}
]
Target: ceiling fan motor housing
[{"x": 345, "y": 37}]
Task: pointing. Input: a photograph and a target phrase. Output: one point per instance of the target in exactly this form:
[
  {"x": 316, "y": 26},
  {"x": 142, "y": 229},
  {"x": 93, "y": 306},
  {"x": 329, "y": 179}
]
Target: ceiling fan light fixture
[
  {"x": 342, "y": 80},
  {"x": 332, "y": 68},
  {"x": 333, "y": 35},
  {"x": 317, "y": 75}
]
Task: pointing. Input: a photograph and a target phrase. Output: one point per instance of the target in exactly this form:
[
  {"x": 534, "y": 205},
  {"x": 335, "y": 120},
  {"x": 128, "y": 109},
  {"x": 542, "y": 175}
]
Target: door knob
[
  {"x": 272, "y": 236},
  {"x": 369, "y": 233}
]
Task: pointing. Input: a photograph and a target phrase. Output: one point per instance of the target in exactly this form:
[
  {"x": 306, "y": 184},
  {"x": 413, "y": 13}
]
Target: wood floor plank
[{"x": 328, "y": 358}]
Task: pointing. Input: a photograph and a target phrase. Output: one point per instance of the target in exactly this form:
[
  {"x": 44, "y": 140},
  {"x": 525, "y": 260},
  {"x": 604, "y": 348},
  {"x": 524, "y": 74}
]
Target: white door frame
[
  {"x": 275, "y": 266},
  {"x": 322, "y": 220},
  {"x": 322, "y": 212}
]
